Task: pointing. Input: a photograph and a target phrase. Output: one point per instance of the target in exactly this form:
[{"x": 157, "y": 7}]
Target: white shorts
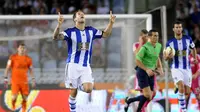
[
  {"x": 76, "y": 75},
  {"x": 184, "y": 75}
]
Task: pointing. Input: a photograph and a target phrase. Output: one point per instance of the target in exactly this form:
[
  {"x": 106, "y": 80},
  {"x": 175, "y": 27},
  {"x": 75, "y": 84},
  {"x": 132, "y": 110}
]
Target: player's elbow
[
  {"x": 106, "y": 34},
  {"x": 54, "y": 37},
  {"x": 137, "y": 62}
]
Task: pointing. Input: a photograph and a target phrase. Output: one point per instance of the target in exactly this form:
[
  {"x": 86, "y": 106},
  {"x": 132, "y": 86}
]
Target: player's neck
[
  {"x": 20, "y": 54},
  {"x": 80, "y": 26},
  {"x": 153, "y": 44},
  {"x": 178, "y": 36}
]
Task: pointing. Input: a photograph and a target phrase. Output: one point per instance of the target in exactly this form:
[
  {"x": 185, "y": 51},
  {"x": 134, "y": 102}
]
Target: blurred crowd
[
  {"x": 188, "y": 11},
  {"x": 64, "y": 6}
]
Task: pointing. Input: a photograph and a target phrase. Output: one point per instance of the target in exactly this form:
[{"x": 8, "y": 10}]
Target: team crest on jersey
[{"x": 83, "y": 46}]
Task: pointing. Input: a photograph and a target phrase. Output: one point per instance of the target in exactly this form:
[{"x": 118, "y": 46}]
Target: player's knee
[
  {"x": 148, "y": 95},
  {"x": 24, "y": 97},
  {"x": 187, "y": 94},
  {"x": 88, "y": 87},
  {"x": 88, "y": 90},
  {"x": 14, "y": 97},
  {"x": 73, "y": 93},
  {"x": 180, "y": 87}
]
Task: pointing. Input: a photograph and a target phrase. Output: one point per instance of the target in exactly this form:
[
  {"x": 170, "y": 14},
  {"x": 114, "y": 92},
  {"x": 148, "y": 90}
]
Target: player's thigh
[
  {"x": 136, "y": 84},
  {"x": 72, "y": 75},
  {"x": 24, "y": 89},
  {"x": 143, "y": 78},
  {"x": 15, "y": 89},
  {"x": 177, "y": 75},
  {"x": 152, "y": 82},
  {"x": 155, "y": 83},
  {"x": 86, "y": 78},
  {"x": 187, "y": 77}
]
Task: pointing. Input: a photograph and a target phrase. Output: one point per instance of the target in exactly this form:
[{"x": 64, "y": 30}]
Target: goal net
[{"x": 112, "y": 59}]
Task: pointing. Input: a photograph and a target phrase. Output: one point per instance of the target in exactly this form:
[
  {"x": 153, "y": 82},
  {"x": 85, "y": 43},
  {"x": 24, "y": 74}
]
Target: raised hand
[
  {"x": 60, "y": 18},
  {"x": 112, "y": 17}
]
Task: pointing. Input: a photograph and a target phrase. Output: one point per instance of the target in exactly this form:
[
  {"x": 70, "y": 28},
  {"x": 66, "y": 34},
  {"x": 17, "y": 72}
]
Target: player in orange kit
[{"x": 19, "y": 64}]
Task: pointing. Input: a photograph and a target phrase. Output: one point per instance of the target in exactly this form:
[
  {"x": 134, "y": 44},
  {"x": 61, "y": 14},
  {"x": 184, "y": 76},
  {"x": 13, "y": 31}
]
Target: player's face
[
  {"x": 154, "y": 37},
  {"x": 80, "y": 17},
  {"x": 178, "y": 29},
  {"x": 21, "y": 49},
  {"x": 144, "y": 37}
]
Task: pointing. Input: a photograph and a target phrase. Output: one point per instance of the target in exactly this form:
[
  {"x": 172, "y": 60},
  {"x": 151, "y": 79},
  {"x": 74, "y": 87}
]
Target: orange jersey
[{"x": 19, "y": 67}]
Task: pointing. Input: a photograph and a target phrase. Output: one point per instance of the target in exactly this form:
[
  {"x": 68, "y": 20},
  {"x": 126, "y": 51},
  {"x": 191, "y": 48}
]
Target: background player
[
  {"x": 143, "y": 38},
  {"x": 79, "y": 39},
  {"x": 195, "y": 78},
  {"x": 19, "y": 64},
  {"x": 180, "y": 67},
  {"x": 136, "y": 47},
  {"x": 146, "y": 60}
]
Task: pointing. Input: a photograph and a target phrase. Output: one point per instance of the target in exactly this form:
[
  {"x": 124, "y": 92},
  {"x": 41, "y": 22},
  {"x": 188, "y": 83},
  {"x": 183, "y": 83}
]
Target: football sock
[{"x": 72, "y": 104}]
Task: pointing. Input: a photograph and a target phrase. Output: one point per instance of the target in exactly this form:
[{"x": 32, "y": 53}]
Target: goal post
[{"x": 126, "y": 30}]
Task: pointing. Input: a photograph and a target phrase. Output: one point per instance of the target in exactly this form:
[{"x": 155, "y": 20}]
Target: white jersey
[
  {"x": 80, "y": 44},
  {"x": 182, "y": 48}
]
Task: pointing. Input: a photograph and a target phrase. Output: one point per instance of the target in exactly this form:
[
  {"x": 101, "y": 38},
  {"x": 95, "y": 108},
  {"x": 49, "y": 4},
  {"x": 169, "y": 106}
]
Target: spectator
[
  {"x": 102, "y": 7},
  {"x": 195, "y": 17},
  {"x": 196, "y": 34},
  {"x": 192, "y": 4},
  {"x": 41, "y": 7},
  {"x": 10, "y": 7},
  {"x": 25, "y": 9},
  {"x": 118, "y": 7},
  {"x": 56, "y": 8},
  {"x": 181, "y": 11}
]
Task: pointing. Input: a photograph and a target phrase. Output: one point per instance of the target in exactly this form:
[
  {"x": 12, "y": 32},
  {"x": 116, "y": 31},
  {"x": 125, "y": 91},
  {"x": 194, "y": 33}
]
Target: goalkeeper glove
[{"x": 6, "y": 82}]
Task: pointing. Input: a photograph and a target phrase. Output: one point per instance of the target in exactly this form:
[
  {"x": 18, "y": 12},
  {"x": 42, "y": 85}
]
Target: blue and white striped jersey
[
  {"x": 80, "y": 44},
  {"x": 182, "y": 48}
]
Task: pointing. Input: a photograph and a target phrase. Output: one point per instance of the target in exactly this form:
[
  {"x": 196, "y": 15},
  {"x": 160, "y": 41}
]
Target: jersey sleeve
[
  {"x": 192, "y": 45},
  {"x": 167, "y": 45},
  {"x": 66, "y": 34},
  {"x": 141, "y": 53},
  {"x": 97, "y": 34},
  {"x": 10, "y": 61}
]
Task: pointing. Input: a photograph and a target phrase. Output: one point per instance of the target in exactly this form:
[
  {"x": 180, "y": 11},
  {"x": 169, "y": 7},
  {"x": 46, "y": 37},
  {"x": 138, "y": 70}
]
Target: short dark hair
[
  {"x": 20, "y": 44},
  {"x": 144, "y": 31},
  {"x": 74, "y": 15},
  {"x": 177, "y": 22},
  {"x": 151, "y": 31}
]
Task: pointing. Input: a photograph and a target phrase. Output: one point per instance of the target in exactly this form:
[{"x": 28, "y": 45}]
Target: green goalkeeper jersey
[{"x": 148, "y": 55}]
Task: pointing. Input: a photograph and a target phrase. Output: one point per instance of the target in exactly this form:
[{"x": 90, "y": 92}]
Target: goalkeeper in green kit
[{"x": 148, "y": 64}]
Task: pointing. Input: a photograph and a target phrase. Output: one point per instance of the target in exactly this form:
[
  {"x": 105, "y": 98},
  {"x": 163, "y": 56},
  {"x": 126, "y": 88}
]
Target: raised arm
[
  {"x": 108, "y": 29},
  {"x": 57, "y": 35}
]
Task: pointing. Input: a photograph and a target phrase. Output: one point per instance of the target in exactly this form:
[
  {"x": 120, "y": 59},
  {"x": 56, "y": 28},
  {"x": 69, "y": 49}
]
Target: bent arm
[
  {"x": 108, "y": 30},
  {"x": 57, "y": 35}
]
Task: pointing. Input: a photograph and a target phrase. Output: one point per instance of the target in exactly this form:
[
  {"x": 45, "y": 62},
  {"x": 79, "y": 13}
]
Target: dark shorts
[{"x": 144, "y": 80}]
